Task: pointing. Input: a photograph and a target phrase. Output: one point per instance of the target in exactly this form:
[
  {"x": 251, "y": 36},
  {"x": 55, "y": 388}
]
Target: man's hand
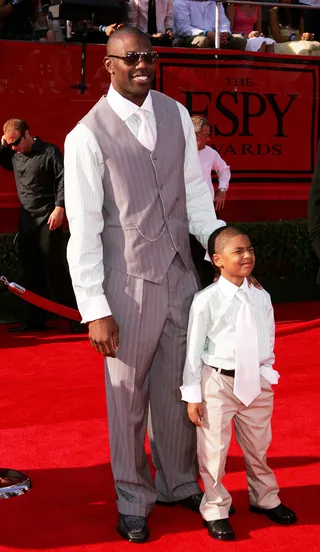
[
  {"x": 224, "y": 37},
  {"x": 211, "y": 36},
  {"x": 56, "y": 218},
  {"x": 253, "y": 34},
  {"x": 253, "y": 282},
  {"x": 104, "y": 336},
  {"x": 219, "y": 199},
  {"x": 169, "y": 32},
  {"x": 4, "y": 142},
  {"x": 110, "y": 29},
  {"x": 195, "y": 413}
]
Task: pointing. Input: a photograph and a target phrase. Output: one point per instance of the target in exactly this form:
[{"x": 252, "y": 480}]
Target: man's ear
[{"x": 107, "y": 62}]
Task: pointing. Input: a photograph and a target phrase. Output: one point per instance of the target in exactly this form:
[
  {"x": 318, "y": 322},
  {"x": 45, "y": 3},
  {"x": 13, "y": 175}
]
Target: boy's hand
[{"x": 195, "y": 413}]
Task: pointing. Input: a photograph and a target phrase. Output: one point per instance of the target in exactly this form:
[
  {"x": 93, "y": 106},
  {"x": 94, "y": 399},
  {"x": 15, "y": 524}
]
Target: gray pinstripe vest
[{"x": 144, "y": 206}]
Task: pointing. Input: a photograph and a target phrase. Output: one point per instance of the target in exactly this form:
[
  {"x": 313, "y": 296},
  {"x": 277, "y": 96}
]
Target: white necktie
[
  {"x": 146, "y": 134},
  {"x": 247, "y": 370}
]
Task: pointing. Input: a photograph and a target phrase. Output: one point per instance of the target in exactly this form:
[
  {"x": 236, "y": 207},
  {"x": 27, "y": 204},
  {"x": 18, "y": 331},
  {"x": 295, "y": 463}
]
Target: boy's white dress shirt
[{"x": 211, "y": 333}]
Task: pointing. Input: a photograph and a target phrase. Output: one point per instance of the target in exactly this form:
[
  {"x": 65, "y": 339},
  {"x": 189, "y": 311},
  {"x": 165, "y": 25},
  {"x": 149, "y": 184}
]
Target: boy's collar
[{"x": 229, "y": 289}]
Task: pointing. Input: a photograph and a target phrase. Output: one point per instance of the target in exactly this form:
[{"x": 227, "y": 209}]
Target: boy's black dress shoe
[
  {"x": 220, "y": 529},
  {"x": 280, "y": 514},
  {"x": 133, "y": 528}
]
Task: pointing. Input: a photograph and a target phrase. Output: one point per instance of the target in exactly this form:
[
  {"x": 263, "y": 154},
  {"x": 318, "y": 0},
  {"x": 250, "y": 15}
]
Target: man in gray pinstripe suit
[{"x": 134, "y": 189}]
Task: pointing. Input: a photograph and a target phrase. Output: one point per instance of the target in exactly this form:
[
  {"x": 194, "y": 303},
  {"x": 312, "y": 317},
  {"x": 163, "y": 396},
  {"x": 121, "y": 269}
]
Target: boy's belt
[{"x": 230, "y": 373}]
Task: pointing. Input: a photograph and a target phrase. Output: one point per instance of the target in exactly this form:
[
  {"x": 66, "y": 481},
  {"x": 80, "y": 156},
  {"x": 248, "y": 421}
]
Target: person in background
[
  {"x": 195, "y": 26},
  {"x": 311, "y": 18},
  {"x": 210, "y": 160},
  {"x": 38, "y": 171},
  {"x": 246, "y": 20},
  {"x": 17, "y": 19},
  {"x": 228, "y": 377},
  {"x": 153, "y": 17},
  {"x": 288, "y": 30}
]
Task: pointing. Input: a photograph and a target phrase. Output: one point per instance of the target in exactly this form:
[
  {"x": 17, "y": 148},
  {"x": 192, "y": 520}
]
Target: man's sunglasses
[
  {"x": 132, "y": 58},
  {"x": 16, "y": 142}
]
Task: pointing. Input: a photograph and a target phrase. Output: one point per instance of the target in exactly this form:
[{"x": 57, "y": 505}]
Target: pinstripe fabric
[
  {"x": 149, "y": 282},
  {"x": 144, "y": 192},
  {"x": 153, "y": 324}
]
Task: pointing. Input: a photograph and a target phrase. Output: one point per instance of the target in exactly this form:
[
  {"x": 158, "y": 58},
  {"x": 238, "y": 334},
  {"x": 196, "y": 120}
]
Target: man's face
[
  {"x": 21, "y": 140},
  {"x": 131, "y": 81},
  {"x": 203, "y": 137}
]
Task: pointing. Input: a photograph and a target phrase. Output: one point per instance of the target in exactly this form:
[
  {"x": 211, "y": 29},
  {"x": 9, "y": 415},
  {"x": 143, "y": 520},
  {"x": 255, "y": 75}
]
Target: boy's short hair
[
  {"x": 200, "y": 122},
  {"x": 219, "y": 239}
]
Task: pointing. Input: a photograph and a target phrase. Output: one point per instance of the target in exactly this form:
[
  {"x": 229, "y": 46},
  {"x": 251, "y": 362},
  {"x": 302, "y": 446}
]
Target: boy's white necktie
[
  {"x": 146, "y": 134},
  {"x": 247, "y": 370}
]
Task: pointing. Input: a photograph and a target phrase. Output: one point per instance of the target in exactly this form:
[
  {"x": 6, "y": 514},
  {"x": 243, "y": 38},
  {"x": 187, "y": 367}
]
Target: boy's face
[{"x": 236, "y": 260}]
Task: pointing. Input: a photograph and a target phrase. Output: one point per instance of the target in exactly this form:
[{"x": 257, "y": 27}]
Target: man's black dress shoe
[
  {"x": 28, "y": 327},
  {"x": 192, "y": 502},
  {"x": 133, "y": 528},
  {"x": 220, "y": 529},
  {"x": 280, "y": 514}
]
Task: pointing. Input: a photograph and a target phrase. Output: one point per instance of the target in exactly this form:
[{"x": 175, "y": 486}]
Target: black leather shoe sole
[
  {"x": 281, "y": 520},
  {"x": 138, "y": 538}
]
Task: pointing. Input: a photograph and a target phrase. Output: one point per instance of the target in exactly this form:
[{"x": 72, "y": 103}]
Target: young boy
[{"x": 227, "y": 376}]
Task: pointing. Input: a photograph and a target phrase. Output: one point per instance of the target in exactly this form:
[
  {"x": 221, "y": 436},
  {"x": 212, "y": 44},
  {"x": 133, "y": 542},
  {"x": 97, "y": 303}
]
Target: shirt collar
[
  {"x": 229, "y": 289},
  {"x": 123, "y": 107}
]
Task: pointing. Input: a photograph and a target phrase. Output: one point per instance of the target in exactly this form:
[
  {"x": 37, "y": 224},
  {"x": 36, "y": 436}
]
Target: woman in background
[
  {"x": 246, "y": 20},
  {"x": 287, "y": 28}
]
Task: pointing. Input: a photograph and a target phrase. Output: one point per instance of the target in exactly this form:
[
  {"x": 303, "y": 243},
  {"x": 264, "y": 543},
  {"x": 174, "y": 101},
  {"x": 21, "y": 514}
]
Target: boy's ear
[{"x": 216, "y": 259}]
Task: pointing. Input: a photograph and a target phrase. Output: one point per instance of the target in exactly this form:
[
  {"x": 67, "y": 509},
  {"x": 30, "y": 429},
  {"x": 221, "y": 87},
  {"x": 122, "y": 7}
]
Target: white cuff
[
  {"x": 191, "y": 393},
  {"x": 270, "y": 374},
  {"x": 94, "y": 308}
]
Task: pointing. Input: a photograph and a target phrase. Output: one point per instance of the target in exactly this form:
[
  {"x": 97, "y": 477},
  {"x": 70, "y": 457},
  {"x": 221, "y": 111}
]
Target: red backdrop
[{"x": 264, "y": 112}]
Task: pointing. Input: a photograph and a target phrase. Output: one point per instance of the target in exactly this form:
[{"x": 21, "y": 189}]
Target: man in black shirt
[{"x": 38, "y": 171}]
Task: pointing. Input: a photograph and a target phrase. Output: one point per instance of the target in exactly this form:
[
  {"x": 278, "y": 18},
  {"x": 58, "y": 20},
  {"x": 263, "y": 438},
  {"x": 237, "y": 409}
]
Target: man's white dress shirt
[
  {"x": 193, "y": 17},
  {"x": 211, "y": 333},
  {"x": 84, "y": 170},
  {"x": 138, "y": 15},
  {"x": 210, "y": 160}
]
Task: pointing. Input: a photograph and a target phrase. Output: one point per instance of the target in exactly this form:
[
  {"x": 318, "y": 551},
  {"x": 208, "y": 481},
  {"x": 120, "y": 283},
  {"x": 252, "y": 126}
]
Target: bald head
[
  {"x": 122, "y": 34},
  {"x": 219, "y": 239}
]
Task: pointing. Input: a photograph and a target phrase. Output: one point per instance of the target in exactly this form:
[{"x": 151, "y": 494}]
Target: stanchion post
[{"x": 217, "y": 29}]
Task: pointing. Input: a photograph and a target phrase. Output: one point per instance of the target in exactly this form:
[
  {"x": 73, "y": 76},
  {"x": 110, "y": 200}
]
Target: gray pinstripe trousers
[{"x": 153, "y": 322}]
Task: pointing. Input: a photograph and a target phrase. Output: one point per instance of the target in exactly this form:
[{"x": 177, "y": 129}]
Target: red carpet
[{"x": 53, "y": 426}]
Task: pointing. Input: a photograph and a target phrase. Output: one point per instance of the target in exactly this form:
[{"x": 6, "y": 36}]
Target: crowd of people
[{"x": 180, "y": 23}]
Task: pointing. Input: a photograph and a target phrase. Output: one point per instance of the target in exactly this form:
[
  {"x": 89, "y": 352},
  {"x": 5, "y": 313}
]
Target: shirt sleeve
[
  {"x": 196, "y": 339},
  {"x": 168, "y": 20},
  {"x": 6, "y": 158},
  {"x": 182, "y": 20},
  {"x": 201, "y": 214},
  {"x": 58, "y": 172},
  {"x": 224, "y": 21},
  {"x": 222, "y": 170},
  {"x": 84, "y": 200}
]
